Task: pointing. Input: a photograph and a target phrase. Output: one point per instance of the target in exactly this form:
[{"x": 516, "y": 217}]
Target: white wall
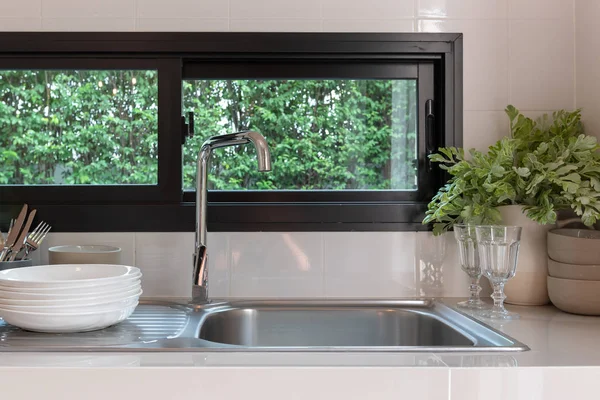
[
  {"x": 516, "y": 51},
  {"x": 587, "y": 13}
]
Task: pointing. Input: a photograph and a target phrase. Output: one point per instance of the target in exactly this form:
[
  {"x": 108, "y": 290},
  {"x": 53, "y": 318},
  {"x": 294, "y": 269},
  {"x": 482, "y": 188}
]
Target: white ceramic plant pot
[{"x": 528, "y": 286}]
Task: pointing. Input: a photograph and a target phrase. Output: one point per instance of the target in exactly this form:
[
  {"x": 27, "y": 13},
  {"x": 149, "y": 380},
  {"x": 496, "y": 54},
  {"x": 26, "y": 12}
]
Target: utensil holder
[{"x": 15, "y": 264}]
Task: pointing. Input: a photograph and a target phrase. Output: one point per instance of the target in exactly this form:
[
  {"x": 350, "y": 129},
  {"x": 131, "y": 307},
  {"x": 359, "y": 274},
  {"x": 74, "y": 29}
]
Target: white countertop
[{"x": 556, "y": 339}]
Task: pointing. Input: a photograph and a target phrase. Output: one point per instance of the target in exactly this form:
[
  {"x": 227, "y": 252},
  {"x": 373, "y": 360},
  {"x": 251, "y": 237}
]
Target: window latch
[
  {"x": 429, "y": 133},
  {"x": 187, "y": 126}
]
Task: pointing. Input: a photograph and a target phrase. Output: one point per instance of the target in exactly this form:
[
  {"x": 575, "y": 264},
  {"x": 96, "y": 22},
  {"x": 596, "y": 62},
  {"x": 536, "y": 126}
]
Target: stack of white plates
[{"x": 69, "y": 297}]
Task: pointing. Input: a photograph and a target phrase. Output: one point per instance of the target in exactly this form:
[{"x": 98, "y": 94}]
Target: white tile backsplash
[
  {"x": 462, "y": 9},
  {"x": 515, "y": 51},
  {"x": 166, "y": 263},
  {"x": 587, "y": 31},
  {"x": 541, "y": 9},
  {"x": 374, "y": 9},
  {"x": 485, "y": 60},
  {"x": 483, "y": 128},
  {"x": 20, "y": 9},
  {"x": 541, "y": 64},
  {"x": 20, "y": 24},
  {"x": 274, "y": 9},
  {"x": 182, "y": 24},
  {"x": 275, "y": 25},
  {"x": 88, "y": 24},
  {"x": 276, "y": 264},
  {"x": 288, "y": 264},
  {"x": 369, "y": 264},
  {"x": 369, "y": 25},
  {"x": 88, "y": 9},
  {"x": 182, "y": 9},
  {"x": 219, "y": 271}
]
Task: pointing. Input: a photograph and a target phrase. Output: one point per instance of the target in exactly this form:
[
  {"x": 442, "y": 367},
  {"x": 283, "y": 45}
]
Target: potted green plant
[{"x": 543, "y": 166}]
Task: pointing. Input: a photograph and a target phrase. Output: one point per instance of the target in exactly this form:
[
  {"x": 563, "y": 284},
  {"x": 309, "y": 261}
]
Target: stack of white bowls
[{"x": 69, "y": 297}]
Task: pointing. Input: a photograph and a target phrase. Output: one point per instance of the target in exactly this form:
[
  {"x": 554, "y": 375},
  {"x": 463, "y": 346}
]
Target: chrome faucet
[{"x": 200, "y": 288}]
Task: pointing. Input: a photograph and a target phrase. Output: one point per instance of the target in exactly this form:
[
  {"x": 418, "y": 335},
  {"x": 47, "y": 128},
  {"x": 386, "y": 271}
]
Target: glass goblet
[
  {"x": 469, "y": 262},
  {"x": 498, "y": 253}
]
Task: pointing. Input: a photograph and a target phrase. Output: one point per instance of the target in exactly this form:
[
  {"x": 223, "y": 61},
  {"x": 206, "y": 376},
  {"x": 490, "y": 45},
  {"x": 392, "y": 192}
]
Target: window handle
[{"x": 429, "y": 132}]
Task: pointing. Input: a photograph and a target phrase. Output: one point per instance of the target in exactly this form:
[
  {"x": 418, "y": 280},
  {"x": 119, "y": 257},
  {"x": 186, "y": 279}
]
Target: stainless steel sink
[
  {"x": 400, "y": 325},
  {"x": 329, "y": 327},
  {"x": 304, "y": 326}
]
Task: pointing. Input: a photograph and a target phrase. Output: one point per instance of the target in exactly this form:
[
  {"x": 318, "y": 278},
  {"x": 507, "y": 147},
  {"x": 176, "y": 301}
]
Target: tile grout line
[
  {"x": 229, "y": 29},
  {"x": 574, "y": 19},
  {"x": 321, "y": 16},
  {"x": 415, "y": 16},
  {"x": 135, "y": 15}
]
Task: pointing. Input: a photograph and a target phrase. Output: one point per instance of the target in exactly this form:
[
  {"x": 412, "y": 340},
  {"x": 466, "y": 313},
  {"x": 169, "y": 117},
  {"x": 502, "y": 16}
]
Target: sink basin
[
  {"x": 329, "y": 327},
  {"x": 284, "y": 326},
  {"x": 401, "y": 325}
]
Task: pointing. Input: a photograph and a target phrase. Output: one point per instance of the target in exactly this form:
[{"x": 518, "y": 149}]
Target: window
[
  {"x": 354, "y": 134},
  {"x": 77, "y": 127},
  {"x": 92, "y": 131}
]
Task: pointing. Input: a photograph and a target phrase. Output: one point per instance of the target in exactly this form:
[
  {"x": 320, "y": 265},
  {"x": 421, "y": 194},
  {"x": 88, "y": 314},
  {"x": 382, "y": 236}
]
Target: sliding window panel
[
  {"x": 348, "y": 140},
  {"x": 89, "y": 130}
]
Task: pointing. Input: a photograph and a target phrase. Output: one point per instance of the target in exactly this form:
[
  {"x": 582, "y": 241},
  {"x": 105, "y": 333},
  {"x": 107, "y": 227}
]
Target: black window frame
[{"x": 180, "y": 56}]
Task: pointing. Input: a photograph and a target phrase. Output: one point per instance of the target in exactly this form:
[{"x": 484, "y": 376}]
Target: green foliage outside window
[
  {"x": 327, "y": 134},
  {"x": 101, "y": 127},
  {"x": 78, "y": 127}
]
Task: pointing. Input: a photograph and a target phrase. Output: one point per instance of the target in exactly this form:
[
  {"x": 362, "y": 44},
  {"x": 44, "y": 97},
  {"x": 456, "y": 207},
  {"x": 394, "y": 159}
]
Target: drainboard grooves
[{"x": 148, "y": 323}]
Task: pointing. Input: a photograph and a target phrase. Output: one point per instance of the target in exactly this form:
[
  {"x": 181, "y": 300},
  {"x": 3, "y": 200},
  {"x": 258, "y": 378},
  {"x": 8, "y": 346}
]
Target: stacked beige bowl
[
  {"x": 574, "y": 270},
  {"x": 69, "y": 297}
]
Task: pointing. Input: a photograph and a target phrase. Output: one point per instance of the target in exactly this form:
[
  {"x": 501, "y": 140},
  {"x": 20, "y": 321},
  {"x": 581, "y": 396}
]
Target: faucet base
[{"x": 199, "y": 294}]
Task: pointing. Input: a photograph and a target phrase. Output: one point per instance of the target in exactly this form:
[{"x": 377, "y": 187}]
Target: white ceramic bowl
[
  {"x": 80, "y": 301},
  {"x": 76, "y": 307},
  {"x": 575, "y": 296},
  {"x": 66, "y": 275},
  {"x": 66, "y": 322},
  {"x": 83, "y": 289},
  {"x": 69, "y": 293},
  {"x": 86, "y": 254},
  {"x": 573, "y": 271}
]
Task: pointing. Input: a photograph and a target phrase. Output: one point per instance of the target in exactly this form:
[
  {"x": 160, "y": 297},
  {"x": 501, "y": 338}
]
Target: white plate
[
  {"x": 83, "y": 288},
  {"x": 70, "y": 293},
  {"x": 66, "y": 322},
  {"x": 75, "y": 307},
  {"x": 106, "y": 303},
  {"x": 66, "y": 275}
]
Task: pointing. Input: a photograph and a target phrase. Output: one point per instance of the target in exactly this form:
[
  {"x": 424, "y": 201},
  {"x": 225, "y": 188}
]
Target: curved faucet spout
[
  {"x": 239, "y": 138},
  {"x": 200, "y": 288}
]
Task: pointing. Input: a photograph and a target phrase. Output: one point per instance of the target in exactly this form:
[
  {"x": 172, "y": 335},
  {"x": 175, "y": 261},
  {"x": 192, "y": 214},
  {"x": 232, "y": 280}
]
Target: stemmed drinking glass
[
  {"x": 498, "y": 252},
  {"x": 469, "y": 262}
]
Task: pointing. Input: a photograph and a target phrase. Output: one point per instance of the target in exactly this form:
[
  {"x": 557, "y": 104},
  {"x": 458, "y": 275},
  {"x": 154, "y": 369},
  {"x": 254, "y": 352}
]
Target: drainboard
[
  {"x": 149, "y": 323},
  {"x": 294, "y": 326}
]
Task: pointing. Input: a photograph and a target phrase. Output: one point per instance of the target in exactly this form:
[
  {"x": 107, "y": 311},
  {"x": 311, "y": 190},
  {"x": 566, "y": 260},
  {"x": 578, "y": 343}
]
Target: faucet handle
[{"x": 200, "y": 271}]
